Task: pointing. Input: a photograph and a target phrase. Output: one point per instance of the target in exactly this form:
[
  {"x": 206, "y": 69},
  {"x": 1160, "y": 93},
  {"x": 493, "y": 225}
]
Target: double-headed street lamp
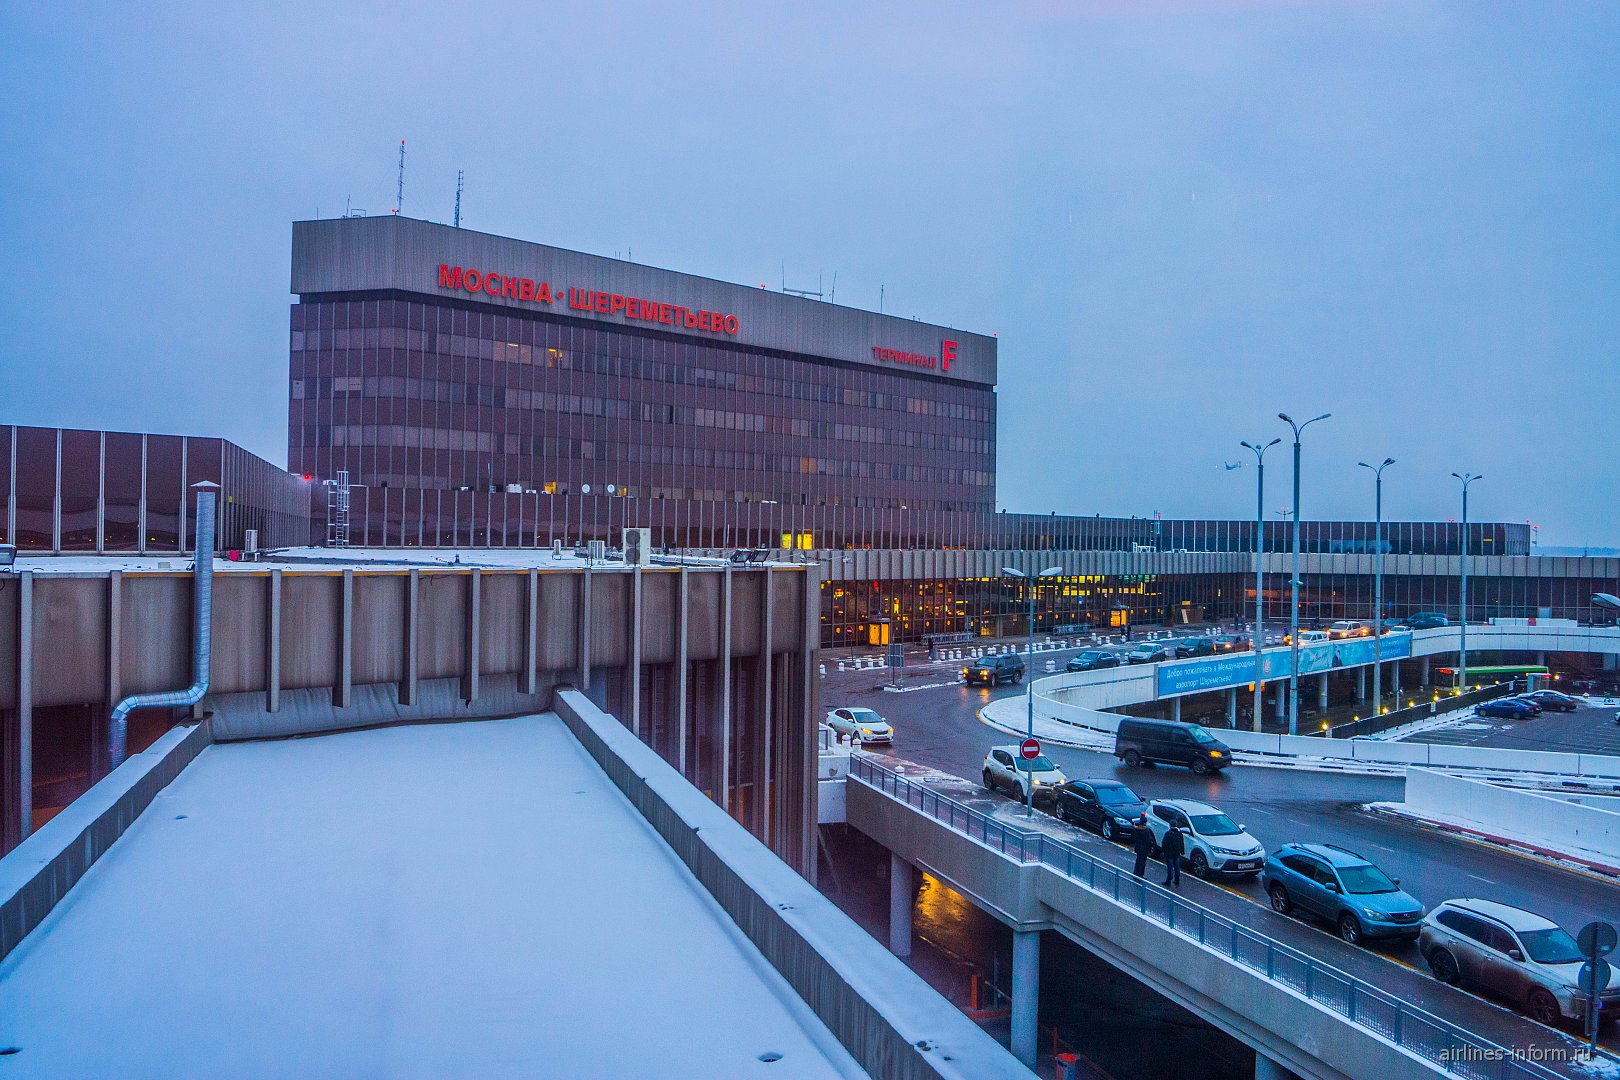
[
  {"x": 1462, "y": 640},
  {"x": 1259, "y": 572},
  {"x": 1029, "y": 681},
  {"x": 1378, "y": 581},
  {"x": 1293, "y": 616}
]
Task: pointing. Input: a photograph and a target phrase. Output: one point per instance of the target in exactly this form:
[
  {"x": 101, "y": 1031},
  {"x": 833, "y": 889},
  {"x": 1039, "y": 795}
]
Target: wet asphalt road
[{"x": 939, "y": 727}]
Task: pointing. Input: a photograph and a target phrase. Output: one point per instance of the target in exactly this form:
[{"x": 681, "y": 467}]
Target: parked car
[
  {"x": 862, "y": 724},
  {"x": 1514, "y": 953},
  {"x": 1105, "y": 805},
  {"x": 1505, "y": 709},
  {"x": 1214, "y": 843},
  {"x": 1333, "y": 883},
  {"x": 1233, "y": 642},
  {"x": 1308, "y": 637},
  {"x": 1006, "y": 769},
  {"x": 1092, "y": 660},
  {"x": 1008, "y": 668},
  {"x": 1193, "y": 646},
  {"x": 1425, "y": 620},
  {"x": 1149, "y": 652},
  {"x": 1553, "y": 700},
  {"x": 1349, "y": 628},
  {"x": 1525, "y": 699},
  {"x": 1171, "y": 742}
]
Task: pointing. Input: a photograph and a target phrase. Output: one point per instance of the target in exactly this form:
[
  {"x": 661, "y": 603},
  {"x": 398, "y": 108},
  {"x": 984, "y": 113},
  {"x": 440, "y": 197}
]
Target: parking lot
[{"x": 1588, "y": 730}]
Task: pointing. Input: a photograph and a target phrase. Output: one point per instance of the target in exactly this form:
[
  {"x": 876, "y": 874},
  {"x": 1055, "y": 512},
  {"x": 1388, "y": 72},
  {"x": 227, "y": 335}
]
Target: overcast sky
[{"x": 1180, "y": 218}]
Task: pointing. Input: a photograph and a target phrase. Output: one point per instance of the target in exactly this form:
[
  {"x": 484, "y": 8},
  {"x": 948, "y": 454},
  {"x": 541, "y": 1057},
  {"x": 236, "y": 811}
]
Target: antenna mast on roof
[
  {"x": 399, "y": 188},
  {"x": 802, "y": 292},
  {"x": 460, "y": 177}
]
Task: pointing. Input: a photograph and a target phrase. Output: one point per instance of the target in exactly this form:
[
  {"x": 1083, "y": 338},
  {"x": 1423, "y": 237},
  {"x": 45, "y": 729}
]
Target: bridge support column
[
  {"x": 1322, "y": 692},
  {"x": 1026, "y": 983},
  {"x": 1266, "y": 1069},
  {"x": 1175, "y": 708},
  {"x": 1395, "y": 682},
  {"x": 1361, "y": 684},
  {"x": 1541, "y": 659},
  {"x": 902, "y": 885},
  {"x": 1423, "y": 673},
  {"x": 1282, "y": 700},
  {"x": 1231, "y": 707}
]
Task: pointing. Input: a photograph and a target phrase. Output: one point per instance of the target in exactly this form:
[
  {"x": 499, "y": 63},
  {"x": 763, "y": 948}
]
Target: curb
[{"x": 1561, "y": 859}]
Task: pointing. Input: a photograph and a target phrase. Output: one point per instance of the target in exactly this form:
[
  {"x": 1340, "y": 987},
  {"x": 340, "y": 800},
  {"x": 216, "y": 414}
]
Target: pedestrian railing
[{"x": 1454, "y": 1049}]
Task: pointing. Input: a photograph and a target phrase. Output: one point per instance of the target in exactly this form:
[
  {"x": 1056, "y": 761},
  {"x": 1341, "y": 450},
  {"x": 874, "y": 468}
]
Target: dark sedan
[
  {"x": 1553, "y": 701},
  {"x": 1505, "y": 710},
  {"x": 1092, "y": 660},
  {"x": 1107, "y": 806}
]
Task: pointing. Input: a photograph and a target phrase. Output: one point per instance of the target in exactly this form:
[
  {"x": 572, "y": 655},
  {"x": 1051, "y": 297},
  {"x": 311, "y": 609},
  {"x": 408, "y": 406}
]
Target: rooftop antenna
[
  {"x": 399, "y": 187},
  {"x": 460, "y": 177},
  {"x": 816, "y": 292},
  {"x": 880, "y": 298},
  {"x": 833, "y": 295}
]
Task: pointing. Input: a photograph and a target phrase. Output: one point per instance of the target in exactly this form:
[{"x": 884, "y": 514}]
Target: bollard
[
  {"x": 823, "y": 670},
  {"x": 1068, "y": 1066},
  {"x": 840, "y": 665},
  {"x": 1051, "y": 666}
]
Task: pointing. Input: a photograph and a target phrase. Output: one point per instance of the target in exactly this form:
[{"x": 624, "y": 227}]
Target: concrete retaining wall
[
  {"x": 1589, "y": 832},
  {"x": 885, "y": 1015},
  {"x": 39, "y": 872}
]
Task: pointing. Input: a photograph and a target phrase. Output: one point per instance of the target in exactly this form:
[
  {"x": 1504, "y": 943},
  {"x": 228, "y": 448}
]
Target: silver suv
[{"x": 1515, "y": 953}]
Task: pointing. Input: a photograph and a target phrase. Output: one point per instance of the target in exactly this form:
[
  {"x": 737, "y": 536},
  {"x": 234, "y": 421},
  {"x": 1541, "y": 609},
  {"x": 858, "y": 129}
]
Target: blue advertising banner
[{"x": 1220, "y": 672}]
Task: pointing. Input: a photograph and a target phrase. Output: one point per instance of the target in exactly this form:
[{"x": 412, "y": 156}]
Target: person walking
[
  {"x": 1142, "y": 843},
  {"x": 1173, "y": 847}
]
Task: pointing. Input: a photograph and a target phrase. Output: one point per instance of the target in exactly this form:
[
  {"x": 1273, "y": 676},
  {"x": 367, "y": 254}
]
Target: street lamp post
[
  {"x": 1259, "y": 575},
  {"x": 1462, "y": 620},
  {"x": 1029, "y": 682},
  {"x": 1378, "y": 581},
  {"x": 1293, "y": 615}
]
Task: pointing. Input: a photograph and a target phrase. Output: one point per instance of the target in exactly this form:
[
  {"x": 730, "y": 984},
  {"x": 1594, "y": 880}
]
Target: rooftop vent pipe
[{"x": 202, "y": 633}]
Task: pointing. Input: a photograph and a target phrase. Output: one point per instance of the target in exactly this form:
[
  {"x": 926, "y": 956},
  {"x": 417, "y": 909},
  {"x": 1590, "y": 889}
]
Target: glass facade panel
[
  {"x": 122, "y": 496},
  {"x": 81, "y": 489},
  {"x": 36, "y": 489},
  {"x": 5, "y": 484},
  {"x": 165, "y": 490}
]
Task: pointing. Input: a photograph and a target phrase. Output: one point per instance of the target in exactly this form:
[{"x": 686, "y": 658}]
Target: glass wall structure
[{"x": 72, "y": 490}]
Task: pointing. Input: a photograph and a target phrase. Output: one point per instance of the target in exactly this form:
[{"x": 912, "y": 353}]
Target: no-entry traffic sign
[{"x": 1030, "y": 748}]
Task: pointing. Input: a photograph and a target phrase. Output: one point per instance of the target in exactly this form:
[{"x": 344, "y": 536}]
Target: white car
[
  {"x": 1005, "y": 769},
  {"x": 1349, "y": 628},
  {"x": 862, "y": 724},
  {"x": 1215, "y": 844}
]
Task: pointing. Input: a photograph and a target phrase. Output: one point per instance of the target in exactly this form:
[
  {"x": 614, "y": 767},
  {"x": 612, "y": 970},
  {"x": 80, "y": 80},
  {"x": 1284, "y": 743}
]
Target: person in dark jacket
[
  {"x": 1173, "y": 847},
  {"x": 1142, "y": 843}
]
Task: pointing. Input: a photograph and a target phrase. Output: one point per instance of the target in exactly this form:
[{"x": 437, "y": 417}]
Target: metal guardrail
[
  {"x": 1374, "y": 725},
  {"x": 1448, "y": 1046}
]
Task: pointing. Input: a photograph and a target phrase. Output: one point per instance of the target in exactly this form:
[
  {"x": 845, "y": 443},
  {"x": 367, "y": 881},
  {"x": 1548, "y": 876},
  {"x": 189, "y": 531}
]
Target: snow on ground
[{"x": 452, "y": 900}]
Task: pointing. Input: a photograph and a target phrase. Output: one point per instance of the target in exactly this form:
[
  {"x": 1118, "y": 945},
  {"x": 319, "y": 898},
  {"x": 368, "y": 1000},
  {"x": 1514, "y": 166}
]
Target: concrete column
[
  {"x": 1026, "y": 987},
  {"x": 475, "y": 632},
  {"x": 634, "y": 630},
  {"x": 1541, "y": 659},
  {"x": 25, "y": 706},
  {"x": 1266, "y": 1069},
  {"x": 1322, "y": 692},
  {"x": 1231, "y": 707},
  {"x": 531, "y": 627},
  {"x": 101, "y": 752},
  {"x": 1282, "y": 700},
  {"x": 725, "y": 689},
  {"x": 1175, "y": 708},
  {"x": 682, "y": 674},
  {"x": 1395, "y": 681},
  {"x": 272, "y": 660},
  {"x": 1361, "y": 684},
  {"x": 413, "y": 620},
  {"x": 902, "y": 893},
  {"x": 345, "y": 684},
  {"x": 585, "y": 629}
]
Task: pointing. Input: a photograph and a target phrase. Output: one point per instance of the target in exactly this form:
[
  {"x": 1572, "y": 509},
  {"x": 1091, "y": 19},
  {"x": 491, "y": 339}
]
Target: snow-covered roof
[
  {"x": 472, "y": 899},
  {"x": 319, "y": 558}
]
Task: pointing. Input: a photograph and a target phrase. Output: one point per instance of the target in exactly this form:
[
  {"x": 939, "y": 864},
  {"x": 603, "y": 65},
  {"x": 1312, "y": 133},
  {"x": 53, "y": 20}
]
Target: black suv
[
  {"x": 1105, "y": 805},
  {"x": 1194, "y": 646},
  {"x": 1092, "y": 659},
  {"x": 994, "y": 669}
]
